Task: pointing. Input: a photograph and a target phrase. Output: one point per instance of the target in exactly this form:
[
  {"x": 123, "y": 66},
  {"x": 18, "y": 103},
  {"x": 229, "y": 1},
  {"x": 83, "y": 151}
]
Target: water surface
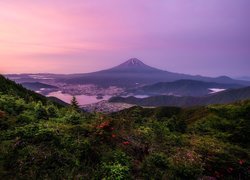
[{"x": 82, "y": 99}]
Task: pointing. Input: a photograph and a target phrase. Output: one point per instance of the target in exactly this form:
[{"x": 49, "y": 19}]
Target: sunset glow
[{"x": 64, "y": 36}]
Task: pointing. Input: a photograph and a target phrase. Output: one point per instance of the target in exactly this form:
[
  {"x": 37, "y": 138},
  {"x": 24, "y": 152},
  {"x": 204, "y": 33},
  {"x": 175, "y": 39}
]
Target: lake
[{"x": 82, "y": 99}]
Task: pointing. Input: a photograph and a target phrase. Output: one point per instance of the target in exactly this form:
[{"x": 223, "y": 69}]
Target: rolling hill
[
  {"x": 227, "y": 96},
  {"x": 183, "y": 87}
]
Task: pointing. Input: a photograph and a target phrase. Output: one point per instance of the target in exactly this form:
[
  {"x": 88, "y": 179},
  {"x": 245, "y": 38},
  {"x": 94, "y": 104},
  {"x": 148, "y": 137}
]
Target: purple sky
[{"x": 207, "y": 37}]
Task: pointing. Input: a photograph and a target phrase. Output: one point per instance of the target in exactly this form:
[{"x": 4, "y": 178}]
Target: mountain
[
  {"x": 35, "y": 86},
  {"x": 9, "y": 87},
  {"x": 133, "y": 65},
  {"x": 227, "y": 96},
  {"x": 135, "y": 73},
  {"x": 183, "y": 87},
  {"x": 244, "y": 78},
  {"x": 57, "y": 100}
]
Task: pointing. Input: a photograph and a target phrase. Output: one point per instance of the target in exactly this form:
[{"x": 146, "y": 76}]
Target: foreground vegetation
[{"x": 42, "y": 140}]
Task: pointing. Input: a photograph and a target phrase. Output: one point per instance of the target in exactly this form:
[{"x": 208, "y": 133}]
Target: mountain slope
[
  {"x": 11, "y": 88},
  {"x": 228, "y": 96},
  {"x": 8, "y": 87},
  {"x": 182, "y": 88},
  {"x": 133, "y": 65},
  {"x": 135, "y": 73}
]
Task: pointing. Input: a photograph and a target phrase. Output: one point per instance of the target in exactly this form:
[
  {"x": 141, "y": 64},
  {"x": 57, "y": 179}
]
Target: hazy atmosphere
[
  {"x": 125, "y": 89},
  {"x": 194, "y": 37}
]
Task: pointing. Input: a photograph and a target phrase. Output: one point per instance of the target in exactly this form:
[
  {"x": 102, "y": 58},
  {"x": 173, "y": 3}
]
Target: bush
[
  {"x": 40, "y": 111},
  {"x": 155, "y": 166},
  {"x": 186, "y": 164},
  {"x": 73, "y": 118},
  {"x": 114, "y": 171},
  {"x": 52, "y": 111},
  {"x": 24, "y": 118},
  {"x": 175, "y": 124}
]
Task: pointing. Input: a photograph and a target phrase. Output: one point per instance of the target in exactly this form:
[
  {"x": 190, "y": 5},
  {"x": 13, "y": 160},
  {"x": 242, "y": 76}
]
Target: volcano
[
  {"x": 134, "y": 72},
  {"x": 133, "y": 65}
]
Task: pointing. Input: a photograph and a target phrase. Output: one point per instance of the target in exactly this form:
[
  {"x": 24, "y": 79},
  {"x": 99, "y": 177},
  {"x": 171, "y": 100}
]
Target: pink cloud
[{"x": 94, "y": 34}]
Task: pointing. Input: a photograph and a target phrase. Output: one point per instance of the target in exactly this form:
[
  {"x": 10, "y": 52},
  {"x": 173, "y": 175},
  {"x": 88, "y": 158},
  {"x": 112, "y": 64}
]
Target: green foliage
[
  {"x": 73, "y": 117},
  {"x": 145, "y": 133},
  {"x": 52, "y": 111},
  {"x": 41, "y": 111},
  {"x": 74, "y": 104},
  {"x": 41, "y": 140},
  {"x": 25, "y": 118},
  {"x": 9, "y": 87},
  {"x": 175, "y": 124},
  {"x": 186, "y": 164},
  {"x": 155, "y": 166},
  {"x": 114, "y": 171}
]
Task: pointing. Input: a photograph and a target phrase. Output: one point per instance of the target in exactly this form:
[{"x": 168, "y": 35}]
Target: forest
[{"x": 41, "y": 139}]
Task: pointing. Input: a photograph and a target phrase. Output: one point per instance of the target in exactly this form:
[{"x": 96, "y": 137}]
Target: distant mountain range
[
  {"x": 183, "y": 87},
  {"x": 227, "y": 96},
  {"x": 136, "y": 78},
  {"x": 135, "y": 73},
  {"x": 130, "y": 74},
  {"x": 244, "y": 78}
]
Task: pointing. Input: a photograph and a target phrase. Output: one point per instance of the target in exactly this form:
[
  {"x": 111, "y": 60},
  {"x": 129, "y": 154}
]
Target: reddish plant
[
  {"x": 126, "y": 143},
  {"x": 2, "y": 114},
  {"x": 104, "y": 125},
  {"x": 241, "y": 161},
  {"x": 230, "y": 170},
  {"x": 218, "y": 174}
]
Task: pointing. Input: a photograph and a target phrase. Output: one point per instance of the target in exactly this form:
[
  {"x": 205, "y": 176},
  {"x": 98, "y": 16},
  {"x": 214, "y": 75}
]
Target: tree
[
  {"x": 74, "y": 103},
  {"x": 52, "y": 111},
  {"x": 40, "y": 110}
]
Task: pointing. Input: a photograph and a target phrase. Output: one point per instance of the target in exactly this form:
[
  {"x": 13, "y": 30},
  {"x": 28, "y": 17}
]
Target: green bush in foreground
[{"x": 39, "y": 140}]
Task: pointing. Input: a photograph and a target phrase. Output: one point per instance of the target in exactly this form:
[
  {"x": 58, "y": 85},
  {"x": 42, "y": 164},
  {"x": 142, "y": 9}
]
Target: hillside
[
  {"x": 228, "y": 96},
  {"x": 11, "y": 88},
  {"x": 44, "y": 141},
  {"x": 183, "y": 87}
]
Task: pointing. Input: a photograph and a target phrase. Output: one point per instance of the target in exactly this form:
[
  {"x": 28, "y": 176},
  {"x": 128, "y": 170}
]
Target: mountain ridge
[
  {"x": 183, "y": 87},
  {"x": 134, "y": 72},
  {"x": 131, "y": 73},
  {"x": 228, "y": 96}
]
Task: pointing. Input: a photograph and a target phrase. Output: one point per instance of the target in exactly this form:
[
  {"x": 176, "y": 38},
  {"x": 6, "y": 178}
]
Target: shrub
[
  {"x": 24, "y": 118},
  {"x": 155, "y": 166},
  {"x": 52, "y": 111},
  {"x": 186, "y": 164},
  {"x": 73, "y": 118},
  {"x": 40, "y": 111},
  {"x": 114, "y": 171}
]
